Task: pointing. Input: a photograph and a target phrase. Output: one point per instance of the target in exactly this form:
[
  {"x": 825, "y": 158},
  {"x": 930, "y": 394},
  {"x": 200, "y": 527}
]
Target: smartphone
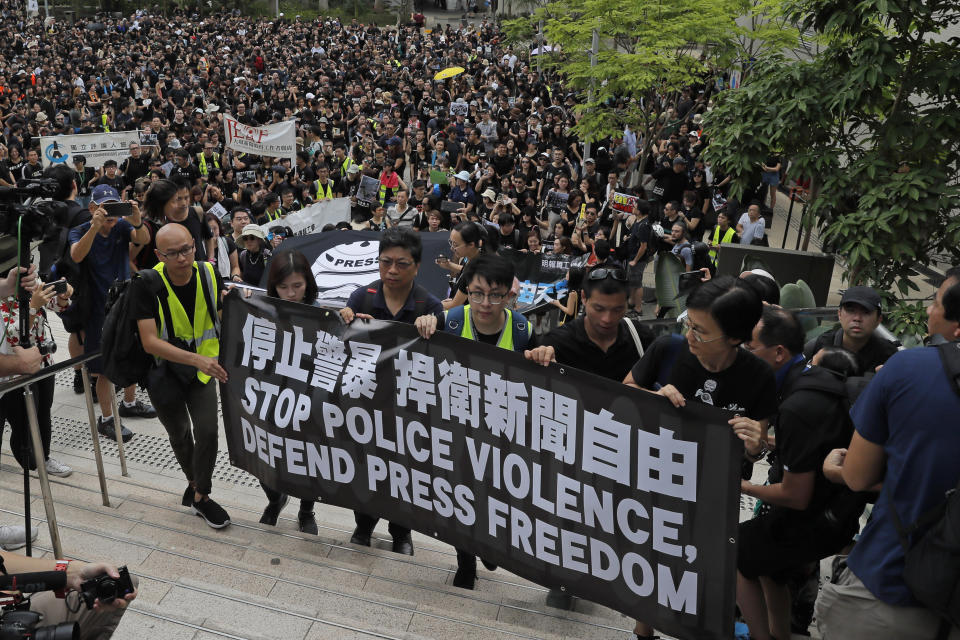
[
  {"x": 118, "y": 209},
  {"x": 441, "y": 259},
  {"x": 59, "y": 286}
]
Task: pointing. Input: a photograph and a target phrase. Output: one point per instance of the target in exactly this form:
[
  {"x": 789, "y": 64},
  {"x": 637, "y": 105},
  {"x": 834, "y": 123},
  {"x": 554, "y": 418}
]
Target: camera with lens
[
  {"x": 20, "y": 623},
  {"x": 105, "y": 589}
]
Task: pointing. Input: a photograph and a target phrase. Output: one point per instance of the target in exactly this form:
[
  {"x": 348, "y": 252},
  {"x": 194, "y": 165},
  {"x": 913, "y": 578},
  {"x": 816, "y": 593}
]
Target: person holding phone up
[
  {"x": 102, "y": 249},
  {"x": 54, "y": 296}
]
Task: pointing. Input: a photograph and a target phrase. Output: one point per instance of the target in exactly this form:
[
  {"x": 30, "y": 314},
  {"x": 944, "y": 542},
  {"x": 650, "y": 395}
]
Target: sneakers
[
  {"x": 57, "y": 468},
  {"x": 13, "y": 537},
  {"x": 213, "y": 513},
  {"x": 107, "y": 430},
  {"x": 138, "y": 410},
  {"x": 307, "y": 523},
  {"x": 272, "y": 512},
  {"x": 78, "y": 381}
]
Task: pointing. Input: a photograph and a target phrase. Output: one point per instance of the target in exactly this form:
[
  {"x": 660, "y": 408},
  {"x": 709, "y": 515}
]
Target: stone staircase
[{"x": 254, "y": 581}]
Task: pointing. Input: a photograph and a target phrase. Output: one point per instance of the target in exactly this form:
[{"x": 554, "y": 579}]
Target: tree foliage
[
  {"x": 649, "y": 51},
  {"x": 872, "y": 120}
]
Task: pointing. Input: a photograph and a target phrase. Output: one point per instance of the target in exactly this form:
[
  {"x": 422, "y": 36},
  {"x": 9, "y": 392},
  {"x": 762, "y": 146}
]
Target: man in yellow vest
[
  {"x": 323, "y": 188},
  {"x": 723, "y": 233},
  {"x": 207, "y": 160},
  {"x": 487, "y": 283},
  {"x": 180, "y": 326}
]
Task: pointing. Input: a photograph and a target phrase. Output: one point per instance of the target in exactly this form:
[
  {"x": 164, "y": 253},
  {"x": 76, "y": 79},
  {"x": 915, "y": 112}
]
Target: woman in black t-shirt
[{"x": 710, "y": 367}]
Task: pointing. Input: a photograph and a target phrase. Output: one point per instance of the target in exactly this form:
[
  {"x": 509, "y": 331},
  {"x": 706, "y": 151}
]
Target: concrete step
[{"x": 158, "y": 539}]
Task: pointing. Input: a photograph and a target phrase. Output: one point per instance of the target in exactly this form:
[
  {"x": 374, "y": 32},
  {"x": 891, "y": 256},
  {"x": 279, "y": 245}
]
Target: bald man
[{"x": 180, "y": 388}]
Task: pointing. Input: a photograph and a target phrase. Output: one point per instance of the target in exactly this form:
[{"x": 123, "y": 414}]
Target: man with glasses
[
  {"x": 207, "y": 160},
  {"x": 602, "y": 341},
  {"x": 182, "y": 332},
  {"x": 395, "y": 296},
  {"x": 101, "y": 247},
  {"x": 487, "y": 319}
]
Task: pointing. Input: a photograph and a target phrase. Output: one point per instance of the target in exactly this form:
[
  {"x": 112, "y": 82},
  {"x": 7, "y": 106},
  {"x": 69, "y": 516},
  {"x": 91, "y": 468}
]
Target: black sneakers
[
  {"x": 138, "y": 410},
  {"x": 272, "y": 512},
  {"x": 307, "y": 523},
  {"x": 107, "y": 430},
  {"x": 212, "y": 512}
]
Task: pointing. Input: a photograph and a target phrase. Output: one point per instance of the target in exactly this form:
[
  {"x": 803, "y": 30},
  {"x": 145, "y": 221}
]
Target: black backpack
[
  {"x": 932, "y": 563},
  {"x": 701, "y": 257},
  {"x": 124, "y": 360}
]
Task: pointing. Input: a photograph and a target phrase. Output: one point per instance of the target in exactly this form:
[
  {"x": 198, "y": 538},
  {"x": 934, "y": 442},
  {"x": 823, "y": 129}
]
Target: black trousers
[
  {"x": 306, "y": 506},
  {"x": 13, "y": 407},
  {"x": 366, "y": 524}
]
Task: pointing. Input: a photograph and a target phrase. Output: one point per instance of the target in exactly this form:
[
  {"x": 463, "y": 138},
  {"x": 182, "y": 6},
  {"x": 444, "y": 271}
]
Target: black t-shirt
[
  {"x": 200, "y": 232},
  {"x": 573, "y": 347},
  {"x": 747, "y": 386}
]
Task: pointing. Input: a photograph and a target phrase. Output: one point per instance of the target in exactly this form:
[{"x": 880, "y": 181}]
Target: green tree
[
  {"x": 872, "y": 119},
  {"x": 649, "y": 51}
]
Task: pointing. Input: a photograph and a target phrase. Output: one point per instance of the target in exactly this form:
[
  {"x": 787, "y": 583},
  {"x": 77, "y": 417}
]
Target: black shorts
[{"x": 777, "y": 546}]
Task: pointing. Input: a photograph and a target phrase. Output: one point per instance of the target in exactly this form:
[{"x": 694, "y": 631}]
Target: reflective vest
[
  {"x": 727, "y": 237},
  {"x": 273, "y": 216},
  {"x": 202, "y": 162},
  {"x": 516, "y": 327},
  {"x": 106, "y": 127},
  {"x": 324, "y": 196},
  {"x": 200, "y": 333}
]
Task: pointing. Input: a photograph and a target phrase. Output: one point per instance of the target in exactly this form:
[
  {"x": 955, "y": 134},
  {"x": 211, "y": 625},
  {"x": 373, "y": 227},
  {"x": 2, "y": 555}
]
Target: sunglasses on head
[{"x": 603, "y": 274}]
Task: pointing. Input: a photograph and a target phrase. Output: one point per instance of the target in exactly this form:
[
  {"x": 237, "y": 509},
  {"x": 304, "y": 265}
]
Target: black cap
[{"x": 866, "y": 297}]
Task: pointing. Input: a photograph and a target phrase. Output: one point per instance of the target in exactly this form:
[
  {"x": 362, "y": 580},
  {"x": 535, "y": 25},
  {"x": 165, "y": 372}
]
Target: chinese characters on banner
[
  {"x": 552, "y": 473},
  {"x": 276, "y": 140},
  {"x": 623, "y": 202},
  {"x": 543, "y": 277},
  {"x": 97, "y": 148}
]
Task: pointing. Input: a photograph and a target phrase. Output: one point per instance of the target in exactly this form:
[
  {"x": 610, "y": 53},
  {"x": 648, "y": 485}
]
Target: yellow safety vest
[
  {"x": 324, "y": 196},
  {"x": 201, "y": 333},
  {"x": 727, "y": 237},
  {"x": 106, "y": 127},
  {"x": 202, "y": 162},
  {"x": 275, "y": 216},
  {"x": 506, "y": 336}
]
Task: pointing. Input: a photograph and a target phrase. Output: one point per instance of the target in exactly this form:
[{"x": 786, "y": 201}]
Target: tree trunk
[{"x": 378, "y": 5}]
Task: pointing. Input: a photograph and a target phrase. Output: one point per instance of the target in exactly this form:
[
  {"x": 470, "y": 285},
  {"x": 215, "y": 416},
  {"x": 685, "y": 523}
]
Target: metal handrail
[{"x": 24, "y": 382}]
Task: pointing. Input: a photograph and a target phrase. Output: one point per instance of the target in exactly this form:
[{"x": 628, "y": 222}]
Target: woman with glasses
[
  {"x": 710, "y": 367},
  {"x": 254, "y": 256},
  {"x": 485, "y": 318},
  {"x": 290, "y": 278}
]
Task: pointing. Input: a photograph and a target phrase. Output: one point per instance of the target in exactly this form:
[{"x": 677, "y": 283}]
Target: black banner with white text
[{"x": 557, "y": 475}]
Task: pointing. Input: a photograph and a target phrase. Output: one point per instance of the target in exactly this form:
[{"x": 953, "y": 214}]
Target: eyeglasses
[
  {"x": 388, "y": 263},
  {"x": 603, "y": 274},
  {"x": 184, "y": 252},
  {"x": 477, "y": 297},
  {"x": 697, "y": 335}
]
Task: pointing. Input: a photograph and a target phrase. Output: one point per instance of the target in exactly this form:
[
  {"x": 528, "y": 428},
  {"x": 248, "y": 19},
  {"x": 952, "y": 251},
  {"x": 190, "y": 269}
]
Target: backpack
[
  {"x": 124, "y": 360},
  {"x": 701, "y": 257},
  {"x": 932, "y": 563},
  {"x": 454, "y": 320},
  {"x": 420, "y": 298}
]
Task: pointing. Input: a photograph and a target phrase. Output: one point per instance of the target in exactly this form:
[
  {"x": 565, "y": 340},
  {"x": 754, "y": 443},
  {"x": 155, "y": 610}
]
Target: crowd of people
[{"x": 488, "y": 155}]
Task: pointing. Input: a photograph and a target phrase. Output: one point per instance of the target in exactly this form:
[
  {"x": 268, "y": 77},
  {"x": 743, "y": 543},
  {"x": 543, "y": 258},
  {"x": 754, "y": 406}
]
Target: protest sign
[
  {"x": 459, "y": 108},
  {"x": 218, "y": 210},
  {"x": 148, "y": 139},
  {"x": 97, "y": 148},
  {"x": 344, "y": 260},
  {"x": 542, "y": 276},
  {"x": 368, "y": 191},
  {"x": 552, "y": 473},
  {"x": 438, "y": 177},
  {"x": 623, "y": 202},
  {"x": 246, "y": 177},
  {"x": 311, "y": 219},
  {"x": 274, "y": 140}
]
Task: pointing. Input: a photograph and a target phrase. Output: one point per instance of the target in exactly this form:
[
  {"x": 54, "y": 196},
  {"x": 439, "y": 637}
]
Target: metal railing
[{"x": 24, "y": 382}]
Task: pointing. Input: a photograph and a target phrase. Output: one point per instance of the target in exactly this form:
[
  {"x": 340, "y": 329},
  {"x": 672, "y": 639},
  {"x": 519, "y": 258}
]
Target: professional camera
[
  {"x": 16, "y": 624},
  {"x": 25, "y": 215},
  {"x": 105, "y": 588}
]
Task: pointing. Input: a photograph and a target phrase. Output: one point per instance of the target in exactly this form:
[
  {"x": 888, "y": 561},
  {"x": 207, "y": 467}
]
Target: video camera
[{"x": 27, "y": 213}]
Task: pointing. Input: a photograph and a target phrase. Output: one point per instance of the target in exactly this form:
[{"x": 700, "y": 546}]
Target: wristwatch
[{"x": 764, "y": 450}]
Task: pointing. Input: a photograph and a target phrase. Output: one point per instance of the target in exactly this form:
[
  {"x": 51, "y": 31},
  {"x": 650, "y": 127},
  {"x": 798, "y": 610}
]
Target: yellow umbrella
[{"x": 449, "y": 72}]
